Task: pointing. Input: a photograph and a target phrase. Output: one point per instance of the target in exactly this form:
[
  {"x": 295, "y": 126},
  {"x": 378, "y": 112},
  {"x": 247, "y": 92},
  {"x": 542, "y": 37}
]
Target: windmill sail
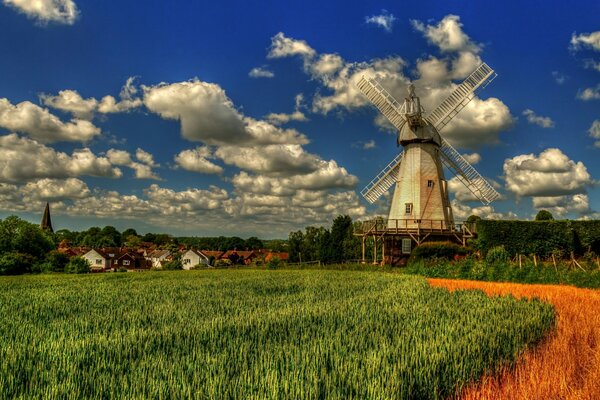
[
  {"x": 384, "y": 101},
  {"x": 383, "y": 181},
  {"x": 461, "y": 96},
  {"x": 467, "y": 174}
]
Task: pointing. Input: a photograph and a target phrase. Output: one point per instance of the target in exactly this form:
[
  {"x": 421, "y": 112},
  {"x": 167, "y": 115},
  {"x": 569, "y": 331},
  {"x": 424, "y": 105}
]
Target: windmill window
[
  {"x": 429, "y": 183},
  {"x": 408, "y": 208},
  {"x": 406, "y": 246}
]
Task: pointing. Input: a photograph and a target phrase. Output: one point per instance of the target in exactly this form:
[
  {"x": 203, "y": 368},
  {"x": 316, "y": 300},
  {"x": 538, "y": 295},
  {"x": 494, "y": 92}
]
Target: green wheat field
[{"x": 253, "y": 334}]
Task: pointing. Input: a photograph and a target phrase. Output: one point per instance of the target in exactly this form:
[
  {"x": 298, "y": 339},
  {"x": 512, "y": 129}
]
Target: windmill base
[{"x": 393, "y": 246}]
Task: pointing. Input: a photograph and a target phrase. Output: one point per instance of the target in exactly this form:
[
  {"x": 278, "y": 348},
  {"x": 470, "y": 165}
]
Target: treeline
[{"x": 333, "y": 245}]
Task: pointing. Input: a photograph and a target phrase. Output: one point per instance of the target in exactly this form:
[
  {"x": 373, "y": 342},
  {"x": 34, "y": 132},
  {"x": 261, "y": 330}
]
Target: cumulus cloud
[
  {"x": 594, "y": 132},
  {"x": 447, "y": 35},
  {"x": 208, "y": 115},
  {"x": 260, "y": 72},
  {"x": 533, "y": 118},
  {"x": 472, "y": 158},
  {"x": 55, "y": 189},
  {"x": 72, "y": 102},
  {"x": 562, "y": 205},
  {"x": 549, "y": 174},
  {"x": 462, "y": 211},
  {"x": 589, "y": 94},
  {"x": 23, "y": 159},
  {"x": 197, "y": 160},
  {"x": 142, "y": 167},
  {"x": 480, "y": 122},
  {"x": 44, "y": 11},
  {"x": 43, "y": 126},
  {"x": 589, "y": 40},
  {"x": 282, "y": 46},
  {"x": 384, "y": 20},
  {"x": 296, "y": 115}
]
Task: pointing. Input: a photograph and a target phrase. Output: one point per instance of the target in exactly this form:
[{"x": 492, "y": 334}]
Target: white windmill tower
[{"x": 420, "y": 205}]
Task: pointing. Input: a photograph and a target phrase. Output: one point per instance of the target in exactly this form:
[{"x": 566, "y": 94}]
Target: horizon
[{"x": 212, "y": 120}]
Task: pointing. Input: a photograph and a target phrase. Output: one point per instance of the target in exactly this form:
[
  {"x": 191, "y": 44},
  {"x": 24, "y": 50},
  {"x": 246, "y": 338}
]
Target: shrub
[
  {"x": 77, "y": 265},
  {"x": 54, "y": 262},
  {"x": 274, "y": 263},
  {"x": 544, "y": 215},
  {"x": 174, "y": 264},
  {"x": 445, "y": 250},
  {"x": 14, "y": 263},
  {"x": 497, "y": 255}
]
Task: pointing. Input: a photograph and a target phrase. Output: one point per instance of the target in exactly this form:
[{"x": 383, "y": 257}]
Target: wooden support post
[
  {"x": 534, "y": 260},
  {"x": 554, "y": 262},
  {"x": 519, "y": 261},
  {"x": 374, "y": 249},
  {"x": 576, "y": 263},
  {"x": 363, "y": 249}
]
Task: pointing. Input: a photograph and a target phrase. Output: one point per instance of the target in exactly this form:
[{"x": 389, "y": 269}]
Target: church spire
[{"x": 46, "y": 221}]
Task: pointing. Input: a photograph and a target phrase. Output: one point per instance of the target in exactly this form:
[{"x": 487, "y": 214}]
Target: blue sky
[{"x": 199, "y": 118}]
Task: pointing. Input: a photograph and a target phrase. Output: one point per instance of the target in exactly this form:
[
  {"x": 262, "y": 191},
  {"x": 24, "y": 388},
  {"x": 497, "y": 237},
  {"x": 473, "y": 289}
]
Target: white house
[
  {"x": 191, "y": 258},
  {"x": 98, "y": 260},
  {"x": 157, "y": 257}
]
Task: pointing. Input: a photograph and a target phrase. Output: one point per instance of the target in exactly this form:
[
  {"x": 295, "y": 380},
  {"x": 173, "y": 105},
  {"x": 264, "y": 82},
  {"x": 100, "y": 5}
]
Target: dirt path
[{"x": 567, "y": 365}]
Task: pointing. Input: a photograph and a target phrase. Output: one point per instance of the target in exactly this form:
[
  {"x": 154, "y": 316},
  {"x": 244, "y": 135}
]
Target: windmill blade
[
  {"x": 461, "y": 96},
  {"x": 467, "y": 174},
  {"x": 383, "y": 181},
  {"x": 384, "y": 101}
]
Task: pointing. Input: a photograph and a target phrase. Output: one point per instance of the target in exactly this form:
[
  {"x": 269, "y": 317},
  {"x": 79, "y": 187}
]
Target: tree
[
  {"x": 110, "y": 233},
  {"x": 473, "y": 219},
  {"x": 544, "y": 215},
  {"x": 341, "y": 231},
  {"x": 55, "y": 261},
  {"x": 14, "y": 263},
  {"x": 174, "y": 264},
  {"x": 128, "y": 232},
  {"x": 19, "y": 236},
  {"x": 295, "y": 246},
  {"x": 77, "y": 265},
  {"x": 254, "y": 243}
]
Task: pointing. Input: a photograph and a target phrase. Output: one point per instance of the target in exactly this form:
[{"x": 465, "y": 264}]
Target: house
[
  {"x": 131, "y": 261},
  {"x": 192, "y": 258},
  {"x": 99, "y": 261},
  {"x": 215, "y": 254},
  {"x": 157, "y": 257},
  {"x": 239, "y": 257},
  {"x": 281, "y": 255}
]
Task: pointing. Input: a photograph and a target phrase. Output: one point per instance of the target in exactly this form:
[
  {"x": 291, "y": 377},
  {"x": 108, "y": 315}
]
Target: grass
[
  {"x": 254, "y": 334},
  {"x": 567, "y": 366}
]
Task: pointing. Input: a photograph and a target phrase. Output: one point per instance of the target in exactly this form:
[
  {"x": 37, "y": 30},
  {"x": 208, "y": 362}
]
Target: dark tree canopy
[{"x": 544, "y": 215}]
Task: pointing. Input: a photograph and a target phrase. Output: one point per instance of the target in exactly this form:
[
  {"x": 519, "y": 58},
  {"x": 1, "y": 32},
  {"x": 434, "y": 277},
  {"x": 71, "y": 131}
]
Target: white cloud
[
  {"x": 533, "y": 118},
  {"x": 71, "y": 101},
  {"x": 296, "y": 115},
  {"x": 368, "y": 145},
  {"x": 43, "y": 126},
  {"x": 462, "y": 211},
  {"x": 208, "y": 115},
  {"x": 447, "y": 35},
  {"x": 590, "y": 40},
  {"x": 589, "y": 94},
  {"x": 282, "y": 46},
  {"x": 197, "y": 160},
  {"x": 594, "y": 132},
  {"x": 145, "y": 157},
  {"x": 260, "y": 72},
  {"x": 384, "y": 20},
  {"x": 142, "y": 170},
  {"x": 550, "y": 174},
  {"x": 55, "y": 189},
  {"x": 44, "y": 11},
  {"x": 591, "y": 64},
  {"x": 561, "y": 205},
  {"x": 480, "y": 122},
  {"x": 23, "y": 159},
  {"x": 472, "y": 158}
]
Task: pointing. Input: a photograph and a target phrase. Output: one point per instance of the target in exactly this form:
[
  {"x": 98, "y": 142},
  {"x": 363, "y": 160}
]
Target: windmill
[{"x": 420, "y": 201}]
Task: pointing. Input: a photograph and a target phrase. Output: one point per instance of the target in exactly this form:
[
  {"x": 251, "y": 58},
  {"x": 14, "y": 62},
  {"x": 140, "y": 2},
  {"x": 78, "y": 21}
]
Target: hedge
[{"x": 539, "y": 237}]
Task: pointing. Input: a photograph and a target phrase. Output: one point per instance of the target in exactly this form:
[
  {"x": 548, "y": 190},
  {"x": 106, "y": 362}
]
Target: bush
[
  {"x": 174, "y": 264},
  {"x": 544, "y": 215},
  {"x": 54, "y": 262},
  {"x": 77, "y": 265},
  {"x": 445, "y": 250},
  {"x": 497, "y": 255},
  {"x": 14, "y": 263},
  {"x": 274, "y": 263}
]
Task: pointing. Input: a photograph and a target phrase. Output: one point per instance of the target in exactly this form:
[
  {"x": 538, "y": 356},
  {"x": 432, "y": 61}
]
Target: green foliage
[
  {"x": 496, "y": 268},
  {"x": 14, "y": 263},
  {"x": 174, "y": 264},
  {"x": 539, "y": 237},
  {"x": 54, "y": 262},
  {"x": 274, "y": 263},
  {"x": 544, "y": 215},
  {"x": 77, "y": 265},
  {"x": 445, "y": 250},
  {"x": 497, "y": 255},
  {"x": 19, "y": 236},
  {"x": 258, "y": 334}
]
